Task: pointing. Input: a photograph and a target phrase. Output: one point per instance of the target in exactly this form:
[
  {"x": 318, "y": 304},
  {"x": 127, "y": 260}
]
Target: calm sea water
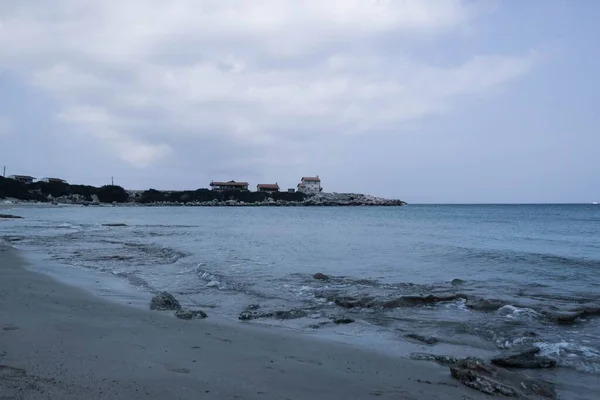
[{"x": 529, "y": 258}]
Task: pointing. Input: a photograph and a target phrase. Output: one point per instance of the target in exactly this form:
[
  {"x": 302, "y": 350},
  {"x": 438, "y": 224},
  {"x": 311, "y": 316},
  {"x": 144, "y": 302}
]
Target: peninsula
[{"x": 61, "y": 192}]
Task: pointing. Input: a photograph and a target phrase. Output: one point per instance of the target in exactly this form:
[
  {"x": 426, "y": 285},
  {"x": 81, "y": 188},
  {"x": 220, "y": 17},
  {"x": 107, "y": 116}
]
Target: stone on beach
[
  {"x": 474, "y": 373},
  {"x": 185, "y": 313},
  {"x": 164, "y": 301}
]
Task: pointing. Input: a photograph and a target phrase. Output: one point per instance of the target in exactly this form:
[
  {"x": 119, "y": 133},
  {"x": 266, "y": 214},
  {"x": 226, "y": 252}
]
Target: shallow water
[{"x": 533, "y": 260}]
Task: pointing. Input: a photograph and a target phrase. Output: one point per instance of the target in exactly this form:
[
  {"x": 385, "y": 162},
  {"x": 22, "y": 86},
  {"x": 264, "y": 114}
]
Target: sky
[{"x": 428, "y": 101}]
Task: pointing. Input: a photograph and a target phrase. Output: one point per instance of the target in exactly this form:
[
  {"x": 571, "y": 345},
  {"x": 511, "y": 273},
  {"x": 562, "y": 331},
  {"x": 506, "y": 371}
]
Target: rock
[
  {"x": 114, "y": 225},
  {"x": 184, "y": 313},
  {"x": 247, "y": 316},
  {"x": 421, "y": 338},
  {"x": 526, "y": 357},
  {"x": 456, "y": 282},
  {"x": 321, "y": 277},
  {"x": 340, "y": 321},
  {"x": 8, "y": 216},
  {"x": 443, "y": 360},
  {"x": 252, "y": 307},
  {"x": 485, "y": 304},
  {"x": 474, "y": 373},
  {"x": 164, "y": 301}
]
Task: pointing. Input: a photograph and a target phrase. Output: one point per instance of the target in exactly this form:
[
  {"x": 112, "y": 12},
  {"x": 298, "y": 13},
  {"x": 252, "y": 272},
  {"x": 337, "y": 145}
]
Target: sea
[{"x": 525, "y": 263}]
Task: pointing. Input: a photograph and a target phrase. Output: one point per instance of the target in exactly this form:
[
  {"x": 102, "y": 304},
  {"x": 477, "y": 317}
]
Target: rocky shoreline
[{"x": 319, "y": 200}]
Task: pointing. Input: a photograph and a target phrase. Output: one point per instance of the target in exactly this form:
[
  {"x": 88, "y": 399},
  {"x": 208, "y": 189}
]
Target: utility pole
[
  {"x": 4, "y": 172},
  {"x": 112, "y": 180}
]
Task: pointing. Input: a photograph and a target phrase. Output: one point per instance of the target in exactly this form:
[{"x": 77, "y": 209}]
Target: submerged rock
[
  {"x": 474, "y": 373},
  {"x": 251, "y": 313},
  {"x": 527, "y": 357},
  {"x": 421, "y": 338},
  {"x": 184, "y": 313},
  {"x": 410, "y": 301},
  {"x": 341, "y": 321},
  {"x": 115, "y": 224},
  {"x": 354, "y": 302},
  {"x": 321, "y": 277},
  {"x": 164, "y": 301},
  {"x": 457, "y": 281},
  {"x": 485, "y": 304},
  {"x": 571, "y": 316},
  {"x": 8, "y": 216},
  {"x": 291, "y": 314}
]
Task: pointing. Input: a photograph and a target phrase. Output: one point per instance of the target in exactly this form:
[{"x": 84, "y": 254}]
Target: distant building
[
  {"x": 22, "y": 178},
  {"x": 310, "y": 185},
  {"x": 267, "y": 187},
  {"x": 231, "y": 185},
  {"x": 53, "y": 180},
  {"x": 292, "y": 190}
]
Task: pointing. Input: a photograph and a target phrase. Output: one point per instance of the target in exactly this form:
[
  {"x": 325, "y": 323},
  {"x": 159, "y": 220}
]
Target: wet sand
[{"x": 60, "y": 342}]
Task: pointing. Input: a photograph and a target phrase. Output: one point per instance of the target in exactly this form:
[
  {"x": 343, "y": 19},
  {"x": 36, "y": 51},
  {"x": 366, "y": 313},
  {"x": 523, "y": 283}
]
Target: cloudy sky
[{"x": 424, "y": 100}]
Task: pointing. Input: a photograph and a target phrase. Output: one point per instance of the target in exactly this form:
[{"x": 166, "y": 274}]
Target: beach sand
[{"x": 61, "y": 342}]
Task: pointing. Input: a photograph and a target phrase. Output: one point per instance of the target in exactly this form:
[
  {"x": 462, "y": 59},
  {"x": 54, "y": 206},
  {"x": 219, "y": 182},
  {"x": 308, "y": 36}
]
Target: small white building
[
  {"x": 227, "y": 186},
  {"x": 22, "y": 178},
  {"x": 52, "y": 180},
  {"x": 310, "y": 185}
]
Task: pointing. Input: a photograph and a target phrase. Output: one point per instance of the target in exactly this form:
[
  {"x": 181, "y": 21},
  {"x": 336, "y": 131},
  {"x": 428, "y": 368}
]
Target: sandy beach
[{"x": 60, "y": 342}]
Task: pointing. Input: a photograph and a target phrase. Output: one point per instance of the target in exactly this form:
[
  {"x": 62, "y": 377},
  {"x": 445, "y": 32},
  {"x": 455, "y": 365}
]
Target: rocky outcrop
[
  {"x": 320, "y": 277},
  {"x": 527, "y": 357},
  {"x": 8, "y": 216},
  {"x": 164, "y": 301},
  {"x": 349, "y": 199},
  {"x": 185, "y": 313},
  {"x": 474, "y": 373}
]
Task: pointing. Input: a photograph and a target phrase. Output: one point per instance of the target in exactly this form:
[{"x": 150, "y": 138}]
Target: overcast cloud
[{"x": 173, "y": 94}]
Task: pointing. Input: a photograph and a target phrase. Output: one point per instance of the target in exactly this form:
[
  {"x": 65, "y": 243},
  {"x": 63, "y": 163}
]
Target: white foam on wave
[
  {"x": 571, "y": 354},
  {"x": 513, "y": 312}
]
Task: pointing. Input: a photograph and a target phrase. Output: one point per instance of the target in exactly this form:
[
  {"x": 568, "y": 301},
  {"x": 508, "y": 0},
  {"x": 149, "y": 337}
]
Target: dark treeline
[
  {"x": 204, "y": 195},
  {"x": 42, "y": 191}
]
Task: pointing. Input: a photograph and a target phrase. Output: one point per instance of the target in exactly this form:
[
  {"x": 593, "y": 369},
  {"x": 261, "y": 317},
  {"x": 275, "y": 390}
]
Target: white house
[
  {"x": 22, "y": 178},
  {"x": 53, "y": 180},
  {"x": 310, "y": 185}
]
